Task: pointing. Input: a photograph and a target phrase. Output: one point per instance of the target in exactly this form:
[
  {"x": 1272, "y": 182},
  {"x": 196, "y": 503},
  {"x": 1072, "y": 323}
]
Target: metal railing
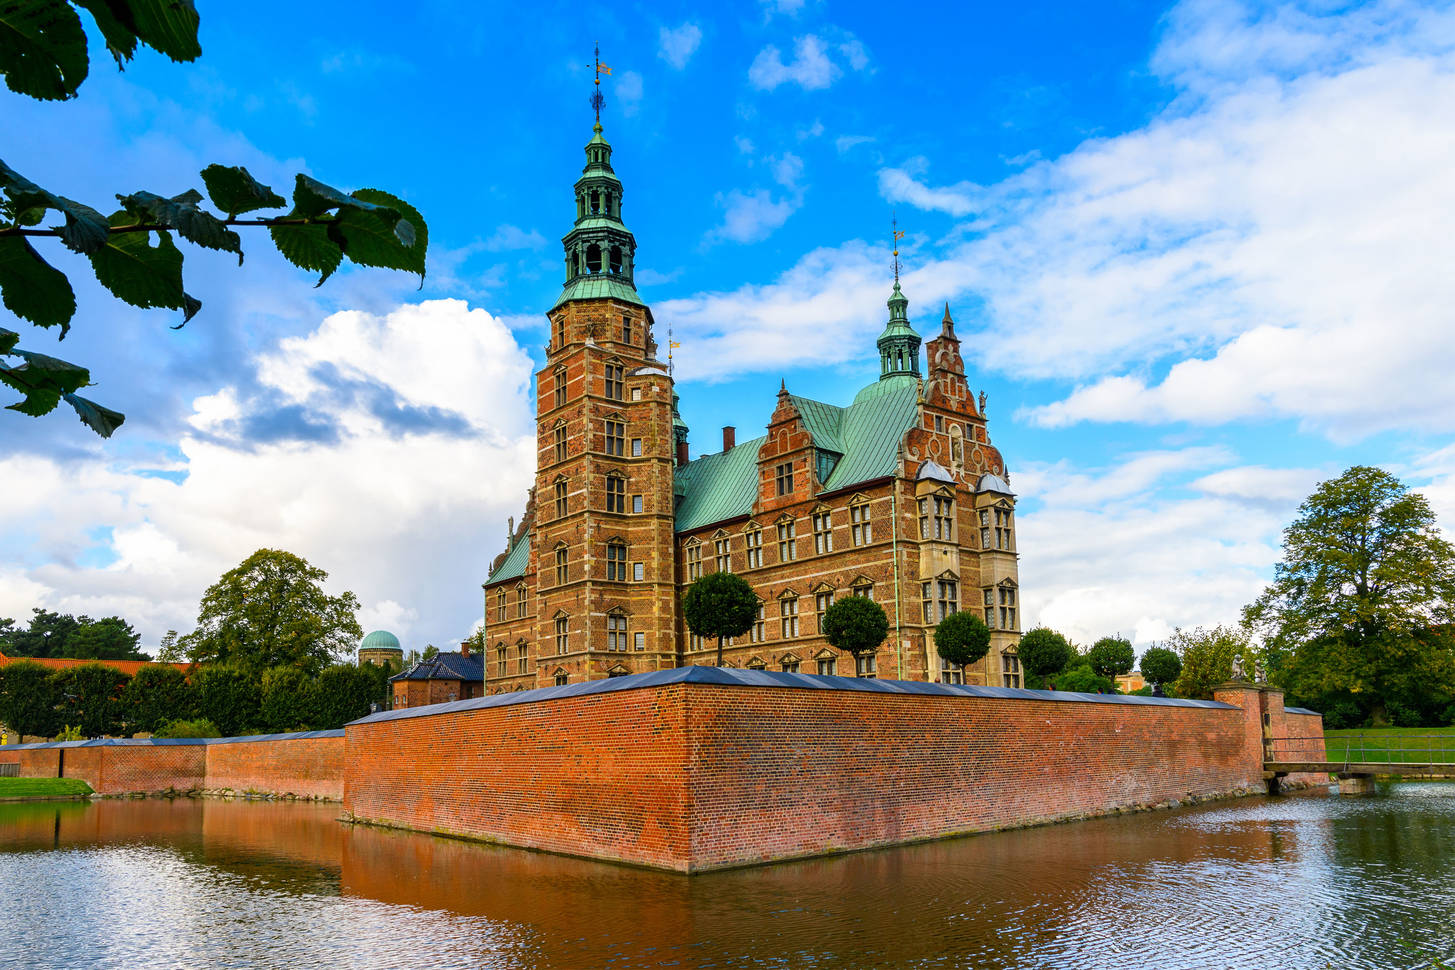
[{"x": 1376, "y": 747}]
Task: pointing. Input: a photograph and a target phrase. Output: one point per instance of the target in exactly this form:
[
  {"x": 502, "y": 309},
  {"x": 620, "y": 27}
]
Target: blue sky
[{"x": 1199, "y": 255}]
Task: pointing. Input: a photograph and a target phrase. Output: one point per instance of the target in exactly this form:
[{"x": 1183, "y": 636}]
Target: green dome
[{"x": 380, "y": 640}]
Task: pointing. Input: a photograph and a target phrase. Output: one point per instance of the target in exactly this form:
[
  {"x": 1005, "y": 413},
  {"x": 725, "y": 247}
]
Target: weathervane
[
  {"x": 898, "y": 235},
  {"x": 671, "y": 346},
  {"x": 596, "y": 98}
]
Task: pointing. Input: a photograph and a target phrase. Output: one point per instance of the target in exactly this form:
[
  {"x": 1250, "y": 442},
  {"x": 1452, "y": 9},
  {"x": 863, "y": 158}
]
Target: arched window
[
  {"x": 593, "y": 258},
  {"x": 616, "y": 260}
]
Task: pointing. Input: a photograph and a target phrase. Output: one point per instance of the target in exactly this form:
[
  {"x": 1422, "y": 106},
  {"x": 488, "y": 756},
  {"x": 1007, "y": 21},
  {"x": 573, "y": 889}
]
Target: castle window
[
  {"x": 615, "y": 374},
  {"x": 594, "y": 205},
  {"x": 1010, "y": 670},
  {"x": 785, "y": 478},
  {"x": 563, "y": 635},
  {"x": 1002, "y": 529},
  {"x": 561, "y": 503},
  {"x": 694, "y": 560},
  {"x": 520, "y": 602},
  {"x": 615, "y": 493},
  {"x": 863, "y": 588},
  {"x": 1007, "y": 609},
  {"x": 560, "y": 331},
  {"x": 637, "y": 504},
  {"x": 593, "y": 258},
  {"x": 924, "y": 518},
  {"x": 616, "y": 639},
  {"x": 944, "y": 518},
  {"x": 615, "y": 257},
  {"x": 940, "y": 598},
  {"x": 789, "y": 665},
  {"x": 500, "y": 605},
  {"x": 866, "y": 665},
  {"x": 561, "y": 572},
  {"x": 860, "y": 528},
  {"x": 788, "y": 617},
  {"x": 638, "y": 571},
  {"x": 723, "y": 555},
  {"x": 626, "y": 329},
  {"x": 500, "y": 660},
  {"x": 821, "y": 603},
  {"x": 522, "y": 661},
  {"x": 826, "y": 666},
  {"x": 616, "y": 561},
  {"x": 636, "y": 447},
  {"x": 639, "y": 639},
  {"x": 787, "y": 541},
  {"x": 562, "y": 679},
  {"x": 823, "y": 532},
  {"x": 753, "y": 539},
  {"x": 696, "y": 642},
  {"x": 615, "y": 438},
  {"x": 952, "y": 674},
  {"x": 560, "y": 387},
  {"x": 756, "y": 634},
  {"x": 559, "y": 434},
  {"x": 989, "y": 608},
  {"x": 939, "y": 424}
]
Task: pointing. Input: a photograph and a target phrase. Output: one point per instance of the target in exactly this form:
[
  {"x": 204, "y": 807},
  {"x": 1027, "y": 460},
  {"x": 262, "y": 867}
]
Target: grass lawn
[
  {"x": 42, "y": 787},
  {"x": 1408, "y": 745}
]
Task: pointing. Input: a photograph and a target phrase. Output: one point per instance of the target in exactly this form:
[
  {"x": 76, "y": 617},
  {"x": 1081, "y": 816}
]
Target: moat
[{"x": 1301, "y": 881}]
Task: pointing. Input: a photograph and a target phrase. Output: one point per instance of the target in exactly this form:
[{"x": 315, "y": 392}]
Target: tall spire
[
  {"x": 596, "y": 98},
  {"x": 898, "y": 344}
]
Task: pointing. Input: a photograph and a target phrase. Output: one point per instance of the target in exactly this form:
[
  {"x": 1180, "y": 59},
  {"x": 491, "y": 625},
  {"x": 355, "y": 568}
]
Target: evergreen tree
[
  {"x": 89, "y": 698},
  {"x": 28, "y": 699},
  {"x": 227, "y": 697},
  {"x": 285, "y": 700},
  {"x": 155, "y": 696}
]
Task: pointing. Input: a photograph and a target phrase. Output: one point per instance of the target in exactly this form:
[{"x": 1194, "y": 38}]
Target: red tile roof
[{"x": 128, "y": 667}]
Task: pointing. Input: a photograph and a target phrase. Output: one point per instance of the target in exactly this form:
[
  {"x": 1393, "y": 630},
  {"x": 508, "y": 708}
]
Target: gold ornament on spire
[
  {"x": 897, "y": 235},
  {"x": 600, "y": 68}
]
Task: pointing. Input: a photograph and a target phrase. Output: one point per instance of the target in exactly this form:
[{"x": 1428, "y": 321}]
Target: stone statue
[
  {"x": 1239, "y": 674},
  {"x": 1259, "y": 674},
  {"x": 982, "y": 404}
]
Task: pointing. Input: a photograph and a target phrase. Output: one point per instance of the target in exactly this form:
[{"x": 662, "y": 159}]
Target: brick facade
[
  {"x": 599, "y": 591},
  {"x": 700, "y": 775}
]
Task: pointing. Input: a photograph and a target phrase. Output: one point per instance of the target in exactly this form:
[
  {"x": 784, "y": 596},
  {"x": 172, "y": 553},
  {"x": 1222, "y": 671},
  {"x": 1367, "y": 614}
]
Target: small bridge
[{"x": 1355, "y": 759}]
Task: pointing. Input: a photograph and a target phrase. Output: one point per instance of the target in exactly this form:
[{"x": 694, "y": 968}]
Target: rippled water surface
[{"x": 1300, "y": 881}]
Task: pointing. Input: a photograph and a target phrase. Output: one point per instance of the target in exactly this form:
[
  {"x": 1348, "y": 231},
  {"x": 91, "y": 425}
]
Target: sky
[{"x": 1199, "y": 255}]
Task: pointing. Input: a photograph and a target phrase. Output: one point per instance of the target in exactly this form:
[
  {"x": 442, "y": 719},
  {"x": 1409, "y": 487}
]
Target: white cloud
[
  {"x": 844, "y": 143},
  {"x": 629, "y": 92},
  {"x": 812, "y": 131},
  {"x": 810, "y": 69},
  {"x": 789, "y": 7},
  {"x": 900, "y": 185},
  {"x": 744, "y": 144},
  {"x": 676, "y": 45},
  {"x": 509, "y": 237},
  {"x": 787, "y": 169},
  {"x": 382, "y": 448},
  {"x": 751, "y": 216}
]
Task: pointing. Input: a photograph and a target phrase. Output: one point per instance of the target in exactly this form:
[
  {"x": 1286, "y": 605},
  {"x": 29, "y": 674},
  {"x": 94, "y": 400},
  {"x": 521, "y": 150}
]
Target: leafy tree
[
  {"x": 89, "y": 697},
  {"x": 1111, "y": 656},
  {"x": 342, "y": 693},
  {"x": 1043, "y": 652},
  {"x": 855, "y": 624},
  {"x": 46, "y": 636},
  {"x": 720, "y": 605},
  {"x": 111, "y": 638},
  {"x": 1207, "y": 658},
  {"x": 200, "y": 728},
  {"x": 962, "y": 639},
  {"x": 155, "y": 696},
  {"x": 430, "y": 651},
  {"x": 43, "y": 54},
  {"x": 1365, "y": 568},
  {"x": 1082, "y": 679},
  {"x": 170, "y": 650},
  {"x": 8, "y": 631},
  {"x": 228, "y": 697},
  {"x": 271, "y": 611},
  {"x": 285, "y": 703},
  {"x": 28, "y": 699},
  {"x": 1161, "y": 666}
]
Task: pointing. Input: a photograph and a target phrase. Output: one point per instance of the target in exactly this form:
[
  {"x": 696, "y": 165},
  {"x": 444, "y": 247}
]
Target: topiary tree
[
  {"x": 1044, "y": 652},
  {"x": 855, "y": 624},
  {"x": 720, "y": 605},
  {"x": 962, "y": 639},
  {"x": 155, "y": 696},
  {"x": 89, "y": 697},
  {"x": 1081, "y": 679},
  {"x": 1161, "y": 666},
  {"x": 1110, "y": 656},
  {"x": 28, "y": 699},
  {"x": 227, "y": 697}
]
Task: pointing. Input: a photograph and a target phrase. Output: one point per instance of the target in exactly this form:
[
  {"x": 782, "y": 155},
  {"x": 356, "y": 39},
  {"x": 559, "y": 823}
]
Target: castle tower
[
  {"x": 602, "y": 537},
  {"x": 898, "y": 344}
]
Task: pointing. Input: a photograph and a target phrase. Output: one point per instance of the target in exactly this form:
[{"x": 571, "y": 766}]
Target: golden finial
[
  {"x": 596, "y": 99},
  {"x": 897, "y": 234}
]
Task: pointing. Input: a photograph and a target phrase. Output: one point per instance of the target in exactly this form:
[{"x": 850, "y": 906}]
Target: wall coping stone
[
  {"x": 170, "y": 742},
  {"x": 734, "y": 677},
  {"x": 1301, "y": 710}
]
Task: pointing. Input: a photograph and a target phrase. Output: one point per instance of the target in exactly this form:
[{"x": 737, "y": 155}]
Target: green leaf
[
  {"x": 142, "y": 274},
  {"x": 234, "y": 191},
  {"x": 85, "y": 229},
  {"x": 308, "y": 247},
  {"x": 42, "y": 48},
  {"x": 181, "y": 213},
  {"x": 410, "y": 236},
  {"x": 312, "y": 198},
  {"x": 168, "y": 26},
  {"x": 33, "y": 289},
  {"x": 42, "y": 380},
  {"x": 101, "y": 420},
  {"x": 8, "y": 339}
]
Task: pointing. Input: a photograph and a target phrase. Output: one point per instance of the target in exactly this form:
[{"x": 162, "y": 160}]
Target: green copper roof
[
  {"x": 867, "y": 432},
  {"x": 898, "y": 344},
  {"x": 598, "y": 286},
  {"x": 513, "y": 566},
  {"x": 595, "y": 222},
  {"x": 380, "y": 640}
]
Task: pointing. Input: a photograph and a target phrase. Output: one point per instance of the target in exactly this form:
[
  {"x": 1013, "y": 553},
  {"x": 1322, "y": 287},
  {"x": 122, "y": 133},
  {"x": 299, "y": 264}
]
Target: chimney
[
  {"x": 729, "y": 437},
  {"x": 681, "y": 453},
  {"x": 465, "y": 648}
]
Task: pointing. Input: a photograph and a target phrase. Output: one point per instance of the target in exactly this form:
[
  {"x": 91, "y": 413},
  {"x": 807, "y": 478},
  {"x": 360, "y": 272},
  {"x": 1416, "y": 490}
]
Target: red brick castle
[{"x": 898, "y": 496}]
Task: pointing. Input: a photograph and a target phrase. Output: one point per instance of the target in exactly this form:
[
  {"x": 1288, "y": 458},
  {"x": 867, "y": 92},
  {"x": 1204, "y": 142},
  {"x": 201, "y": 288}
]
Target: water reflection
[{"x": 1315, "y": 880}]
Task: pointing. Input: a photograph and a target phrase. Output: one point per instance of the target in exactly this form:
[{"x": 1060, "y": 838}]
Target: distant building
[
  {"x": 442, "y": 678},
  {"x": 1129, "y": 683},
  {"x": 381, "y": 648}
]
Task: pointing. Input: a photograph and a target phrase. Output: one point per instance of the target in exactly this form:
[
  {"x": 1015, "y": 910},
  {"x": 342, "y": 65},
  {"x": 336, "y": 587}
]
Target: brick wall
[
  {"x": 306, "y": 767},
  {"x": 700, "y": 769}
]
